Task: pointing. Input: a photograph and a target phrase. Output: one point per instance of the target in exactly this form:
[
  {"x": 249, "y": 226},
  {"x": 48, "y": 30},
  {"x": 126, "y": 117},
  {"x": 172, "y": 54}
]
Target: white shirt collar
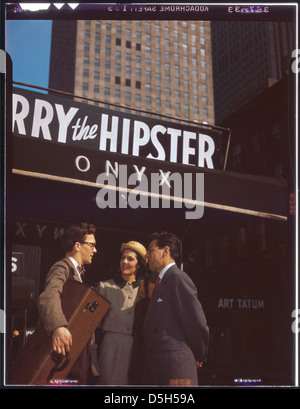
[
  {"x": 163, "y": 271},
  {"x": 76, "y": 264}
]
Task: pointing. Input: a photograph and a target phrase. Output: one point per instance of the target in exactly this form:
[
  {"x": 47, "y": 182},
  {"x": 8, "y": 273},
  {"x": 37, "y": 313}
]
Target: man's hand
[{"x": 61, "y": 340}]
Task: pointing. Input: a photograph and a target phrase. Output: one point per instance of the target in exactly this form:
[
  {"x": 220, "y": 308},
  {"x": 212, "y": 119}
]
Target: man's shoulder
[
  {"x": 64, "y": 265},
  {"x": 177, "y": 274}
]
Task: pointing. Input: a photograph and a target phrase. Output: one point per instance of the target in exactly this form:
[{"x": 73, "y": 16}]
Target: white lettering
[
  {"x": 139, "y": 140},
  {"x": 106, "y": 134},
  {"x": 108, "y": 166},
  {"x": 84, "y": 159},
  {"x": 174, "y": 133},
  {"x": 206, "y": 156},
  {"x": 64, "y": 121},
  {"x": 161, "y": 152},
  {"x": 40, "y": 122},
  {"x": 186, "y": 149},
  {"x": 18, "y": 118}
]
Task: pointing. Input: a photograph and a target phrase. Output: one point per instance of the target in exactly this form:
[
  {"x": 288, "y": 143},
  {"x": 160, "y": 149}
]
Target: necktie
[
  {"x": 81, "y": 270},
  {"x": 157, "y": 280}
]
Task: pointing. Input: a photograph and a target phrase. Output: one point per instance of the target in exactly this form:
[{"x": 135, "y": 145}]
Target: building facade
[
  {"x": 248, "y": 57},
  {"x": 162, "y": 67}
]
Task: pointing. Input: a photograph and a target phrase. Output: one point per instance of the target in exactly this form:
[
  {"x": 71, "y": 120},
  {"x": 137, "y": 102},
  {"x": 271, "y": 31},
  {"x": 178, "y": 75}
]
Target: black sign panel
[{"x": 42, "y": 117}]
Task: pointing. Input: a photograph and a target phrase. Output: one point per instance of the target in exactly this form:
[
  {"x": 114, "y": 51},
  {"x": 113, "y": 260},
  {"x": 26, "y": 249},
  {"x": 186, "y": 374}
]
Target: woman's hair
[{"x": 76, "y": 234}]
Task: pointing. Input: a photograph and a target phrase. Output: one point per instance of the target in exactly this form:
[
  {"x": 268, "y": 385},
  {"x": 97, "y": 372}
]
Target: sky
[{"x": 28, "y": 44}]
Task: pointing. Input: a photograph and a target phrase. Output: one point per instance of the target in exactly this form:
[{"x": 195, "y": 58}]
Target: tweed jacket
[
  {"x": 176, "y": 333},
  {"x": 52, "y": 316},
  {"x": 49, "y": 303}
]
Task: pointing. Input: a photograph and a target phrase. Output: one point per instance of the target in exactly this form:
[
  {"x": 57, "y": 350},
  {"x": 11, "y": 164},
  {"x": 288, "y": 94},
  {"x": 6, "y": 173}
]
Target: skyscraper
[
  {"x": 248, "y": 57},
  {"x": 162, "y": 67}
]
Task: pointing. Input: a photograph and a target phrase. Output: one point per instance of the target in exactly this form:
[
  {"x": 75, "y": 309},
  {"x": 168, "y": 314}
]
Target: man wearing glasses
[{"x": 79, "y": 245}]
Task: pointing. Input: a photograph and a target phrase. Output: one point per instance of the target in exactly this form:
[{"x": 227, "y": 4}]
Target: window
[
  {"x": 85, "y": 72},
  {"x": 107, "y": 78},
  {"x": 138, "y": 84},
  {"x": 85, "y": 86},
  {"x": 128, "y": 44},
  {"x": 138, "y": 47},
  {"x": 96, "y": 75},
  {"x": 96, "y": 89},
  {"x": 118, "y": 41},
  {"x": 118, "y": 80},
  {"x": 127, "y": 82}
]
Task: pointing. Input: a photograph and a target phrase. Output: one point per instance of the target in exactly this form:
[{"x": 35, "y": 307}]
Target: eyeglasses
[{"x": 92, "y": 245}]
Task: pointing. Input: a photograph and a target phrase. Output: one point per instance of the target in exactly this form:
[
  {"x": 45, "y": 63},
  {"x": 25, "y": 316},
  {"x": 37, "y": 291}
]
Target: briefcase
[{"x": 37, "y": 363}]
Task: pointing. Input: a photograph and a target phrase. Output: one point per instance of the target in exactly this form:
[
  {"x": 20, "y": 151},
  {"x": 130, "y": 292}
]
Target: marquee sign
[
  {"x": 43, "y": 117},
  {"x": 134, "y": 161}
]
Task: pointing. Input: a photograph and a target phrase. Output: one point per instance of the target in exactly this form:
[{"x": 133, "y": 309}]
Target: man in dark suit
[
  {"x": 176, "y": 334},
  {"x": 80, "y": 246}
]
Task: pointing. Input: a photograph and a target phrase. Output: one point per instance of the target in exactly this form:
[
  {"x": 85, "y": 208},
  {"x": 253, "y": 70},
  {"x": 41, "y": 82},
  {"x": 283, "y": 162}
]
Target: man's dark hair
[
  {"x": 75, "y": 234},
  {"x": 167, "y": 239}
]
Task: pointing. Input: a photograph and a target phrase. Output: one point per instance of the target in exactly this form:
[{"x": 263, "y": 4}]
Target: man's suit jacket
[
  {"x": 175, "y": 331},
  {"x": 49, "y": 302},
  {"x": 52, "y": 316}
]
